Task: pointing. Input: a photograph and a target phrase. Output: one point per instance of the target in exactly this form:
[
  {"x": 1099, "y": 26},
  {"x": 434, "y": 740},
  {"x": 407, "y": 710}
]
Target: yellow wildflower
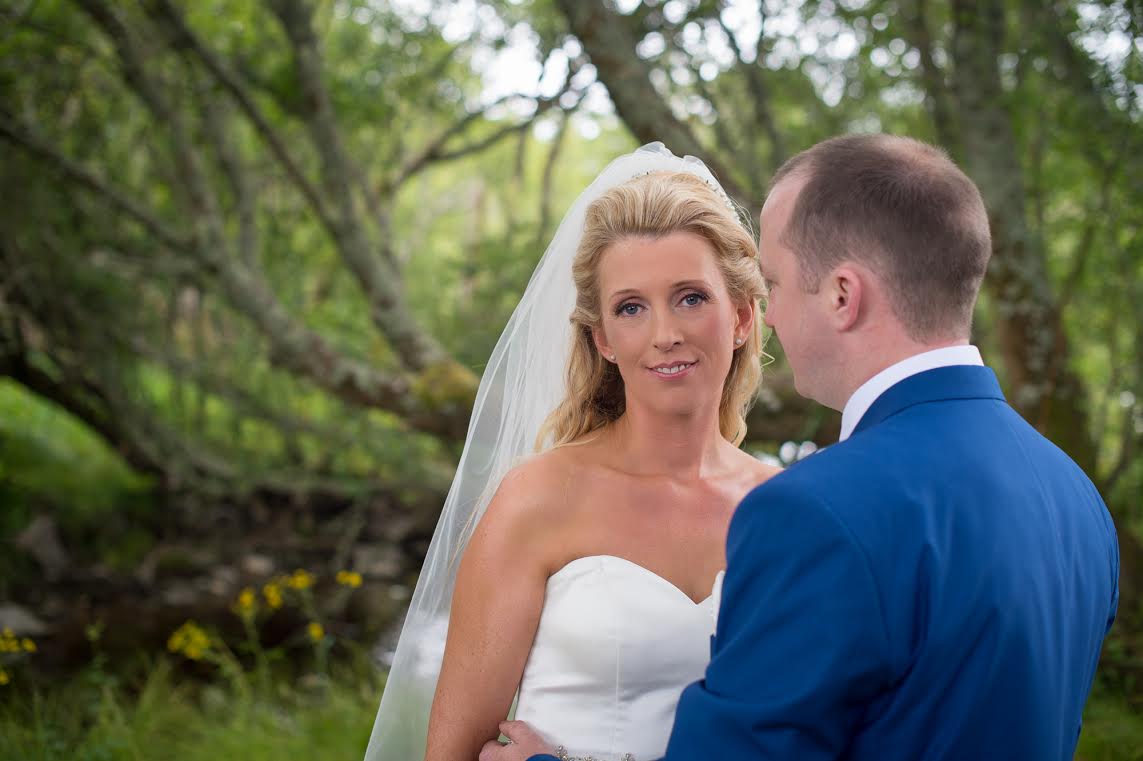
[
  {"x": 190, "y": 640},
  {"x": 93, "y": 632},
  {"x": 4, "y": 678},
  {"x": 28, "y": 645},
  {"x": 247, "y": 602},
  {"x": 316, "y": 631},
  {"x": 273, "y": 595},
  {"x": 8, "y": 641},
  {"x": 349, "y": 579},
  {"x": 300, "y": 580}
]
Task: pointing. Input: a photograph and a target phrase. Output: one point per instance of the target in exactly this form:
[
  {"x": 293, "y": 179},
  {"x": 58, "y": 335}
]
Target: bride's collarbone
[{"x": 683, "y": 550}]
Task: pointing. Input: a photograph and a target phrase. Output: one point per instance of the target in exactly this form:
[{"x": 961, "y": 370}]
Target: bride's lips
[{"x": 671, "y": 371}]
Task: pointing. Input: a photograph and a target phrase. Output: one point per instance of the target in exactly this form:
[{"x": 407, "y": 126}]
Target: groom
[{"x": 939, "y": 583}]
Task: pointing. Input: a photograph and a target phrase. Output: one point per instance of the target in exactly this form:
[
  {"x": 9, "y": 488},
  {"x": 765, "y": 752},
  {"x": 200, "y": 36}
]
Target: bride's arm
[{"x": 495, "y": 611}]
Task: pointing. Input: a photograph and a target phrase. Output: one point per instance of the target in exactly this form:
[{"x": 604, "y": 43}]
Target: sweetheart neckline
[{"x": 645, "y": 570}]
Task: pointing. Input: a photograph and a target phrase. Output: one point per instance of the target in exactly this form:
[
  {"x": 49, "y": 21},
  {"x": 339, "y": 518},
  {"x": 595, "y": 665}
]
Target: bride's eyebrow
[
  {"x": 691, "y": 284},
  {"x": 626, "y": 292}
]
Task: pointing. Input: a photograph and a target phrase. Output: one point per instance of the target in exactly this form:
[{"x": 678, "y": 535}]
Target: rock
[
  {"x": 41, "y": 540},
  {"x": 259, "y": 566},
  {"x": 21, "y": 621},
  {"x": 223, "y": 581},
  {"x": 168, "y": 561},
  {"x": 179, "y": 595},
  {"x": 378, "y": 561}
]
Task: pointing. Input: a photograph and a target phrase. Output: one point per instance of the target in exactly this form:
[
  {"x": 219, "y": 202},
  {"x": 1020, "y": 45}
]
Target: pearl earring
[
  {"x": 611, "y": 357},
  {"x": 738, "y": 342}
]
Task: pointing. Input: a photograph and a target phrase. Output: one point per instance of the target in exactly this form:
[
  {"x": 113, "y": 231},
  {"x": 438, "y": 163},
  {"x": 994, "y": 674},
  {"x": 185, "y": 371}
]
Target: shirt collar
[{"x": 868, "y": 392}]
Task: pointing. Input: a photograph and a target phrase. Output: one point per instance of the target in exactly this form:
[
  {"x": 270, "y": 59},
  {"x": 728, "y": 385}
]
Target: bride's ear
[
  {"x": 746, "y": 314},
  {"x": 600, "y": 339}
]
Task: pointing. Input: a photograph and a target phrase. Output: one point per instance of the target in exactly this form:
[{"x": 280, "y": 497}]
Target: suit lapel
[{"x": 941, "y": 384}]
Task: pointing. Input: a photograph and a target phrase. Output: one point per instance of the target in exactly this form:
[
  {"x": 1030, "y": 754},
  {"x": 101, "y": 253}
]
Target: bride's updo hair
[{"x": 655, "y": 205}]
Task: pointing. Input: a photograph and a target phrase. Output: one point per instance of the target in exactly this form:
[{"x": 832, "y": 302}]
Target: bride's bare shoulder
[
  {"x": 756, "y": 471},
  {"x": 541, "y": 488}
]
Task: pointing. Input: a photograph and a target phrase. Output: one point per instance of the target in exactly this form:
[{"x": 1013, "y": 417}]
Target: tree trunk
[{"x": 609, "y": 43}]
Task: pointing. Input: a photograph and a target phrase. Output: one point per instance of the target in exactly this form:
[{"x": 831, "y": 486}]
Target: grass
[
  {"x": 176, "y": 720},
  {"x": 1112, "y": 731},
  {"x": 170, "y": 717}
]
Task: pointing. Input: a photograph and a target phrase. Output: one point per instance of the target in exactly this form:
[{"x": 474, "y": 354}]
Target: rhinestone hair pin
[{"x": 712, "y": 185}]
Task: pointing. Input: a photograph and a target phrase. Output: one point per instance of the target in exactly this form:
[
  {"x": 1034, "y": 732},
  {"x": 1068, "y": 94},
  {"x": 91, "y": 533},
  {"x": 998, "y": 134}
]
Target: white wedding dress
[{"x": 615, "y": 647}]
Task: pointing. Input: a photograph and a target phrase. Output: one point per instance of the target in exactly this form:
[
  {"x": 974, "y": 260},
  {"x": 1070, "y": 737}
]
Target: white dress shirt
[{"x": 864, "y": 397}]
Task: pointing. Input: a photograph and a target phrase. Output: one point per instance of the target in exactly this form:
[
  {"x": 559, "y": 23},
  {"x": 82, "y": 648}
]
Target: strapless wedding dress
[{"x": 615, "y": 647}]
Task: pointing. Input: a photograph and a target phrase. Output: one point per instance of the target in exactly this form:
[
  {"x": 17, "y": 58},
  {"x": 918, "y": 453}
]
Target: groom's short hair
[{"x": 902, "y": 208}]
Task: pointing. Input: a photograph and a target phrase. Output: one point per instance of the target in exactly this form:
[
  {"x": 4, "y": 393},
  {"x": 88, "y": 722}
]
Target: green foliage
[
  {"x": 156, "y": 354},
  {"x": 1112, "y": 730},
  {"x": 49, "y": 457},
  {"x": 52, "y": 464},
  {"x": 164, "y": 716}
]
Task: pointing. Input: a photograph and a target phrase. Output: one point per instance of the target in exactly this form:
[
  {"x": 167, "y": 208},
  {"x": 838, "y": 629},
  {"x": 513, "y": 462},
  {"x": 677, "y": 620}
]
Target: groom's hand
[{"x": 523, "y": 743}]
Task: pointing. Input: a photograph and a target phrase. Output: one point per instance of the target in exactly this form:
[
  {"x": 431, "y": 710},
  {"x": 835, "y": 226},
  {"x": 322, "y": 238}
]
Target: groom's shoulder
[
  {"x": 838, "y": 481},
  {"x": 850, "y": 459}
]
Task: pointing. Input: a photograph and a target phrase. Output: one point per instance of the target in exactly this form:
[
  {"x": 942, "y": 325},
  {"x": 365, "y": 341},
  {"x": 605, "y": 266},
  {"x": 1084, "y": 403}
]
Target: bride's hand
[{"x": 523, "y": 743}]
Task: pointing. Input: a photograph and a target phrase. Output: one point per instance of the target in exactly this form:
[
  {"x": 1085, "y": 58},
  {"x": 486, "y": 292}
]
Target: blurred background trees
[{"x": 253, "y": 255}]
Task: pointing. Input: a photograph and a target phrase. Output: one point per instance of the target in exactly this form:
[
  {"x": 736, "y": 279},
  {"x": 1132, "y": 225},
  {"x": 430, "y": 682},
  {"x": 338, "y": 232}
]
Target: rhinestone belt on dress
[{"x": 562, "y": 755}]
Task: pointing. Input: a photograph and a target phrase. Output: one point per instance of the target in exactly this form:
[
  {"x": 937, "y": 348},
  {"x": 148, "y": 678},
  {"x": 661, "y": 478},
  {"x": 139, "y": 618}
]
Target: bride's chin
[{"x": 677, "y": 403}]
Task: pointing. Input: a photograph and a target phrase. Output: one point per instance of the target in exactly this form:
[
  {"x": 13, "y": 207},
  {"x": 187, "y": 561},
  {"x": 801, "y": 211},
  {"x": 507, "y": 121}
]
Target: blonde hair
[{"x": 655, "y": 205}]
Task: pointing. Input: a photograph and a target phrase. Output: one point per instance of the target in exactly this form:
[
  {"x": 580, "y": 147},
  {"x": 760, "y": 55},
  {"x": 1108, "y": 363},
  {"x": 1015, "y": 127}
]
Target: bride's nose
[{"x": 667, "y": 334}]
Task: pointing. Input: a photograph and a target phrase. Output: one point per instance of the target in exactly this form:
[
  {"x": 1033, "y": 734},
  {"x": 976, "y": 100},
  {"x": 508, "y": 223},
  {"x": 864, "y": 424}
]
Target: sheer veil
[{"x": 522, "y": 383}]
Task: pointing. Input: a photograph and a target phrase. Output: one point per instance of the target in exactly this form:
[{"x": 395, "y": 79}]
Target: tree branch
[
  {"x": 609, "y": 43},
  {"x": 39, "y": 148},
  {"x": 495, "y": 137},
  {"x": 185, "y": 36},
  {"x": 758, "y": 89},
  {"x": 236, "y": 175},
  {"x": 938, "y": 99},
  {"x": 292, "y": 346},
  {"x": 434, "y": 147},
  {"x": 1129, "y": 445},
  {"x": 546, "y": 184},
  {"x": 377, "y": 277}
]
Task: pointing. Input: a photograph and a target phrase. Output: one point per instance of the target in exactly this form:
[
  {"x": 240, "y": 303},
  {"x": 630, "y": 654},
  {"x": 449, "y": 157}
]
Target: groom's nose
[{"x": 768, "y": 316}]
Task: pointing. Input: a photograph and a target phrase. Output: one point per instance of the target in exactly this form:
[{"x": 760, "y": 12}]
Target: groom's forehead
[{"x": 783, "y": 196}]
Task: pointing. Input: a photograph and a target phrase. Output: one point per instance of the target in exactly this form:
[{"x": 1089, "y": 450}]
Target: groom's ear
[{"x": 845, "y": 288}]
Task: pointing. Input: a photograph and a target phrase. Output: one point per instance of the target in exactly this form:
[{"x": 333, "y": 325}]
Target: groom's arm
[{"x": 801, "y": 644}]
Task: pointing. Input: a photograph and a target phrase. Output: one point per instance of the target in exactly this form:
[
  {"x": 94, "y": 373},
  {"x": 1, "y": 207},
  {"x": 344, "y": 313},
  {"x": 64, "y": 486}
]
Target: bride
[{"x": 580, "y": 581}]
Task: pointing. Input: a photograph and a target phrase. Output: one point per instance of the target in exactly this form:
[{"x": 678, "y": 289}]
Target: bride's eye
[
  {"x": 629, "y": 309},
  {"x": 694, "y": 299}
]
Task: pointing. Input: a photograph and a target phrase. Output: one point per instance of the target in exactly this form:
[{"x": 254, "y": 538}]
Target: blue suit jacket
[{"x": 938, "y": 586}]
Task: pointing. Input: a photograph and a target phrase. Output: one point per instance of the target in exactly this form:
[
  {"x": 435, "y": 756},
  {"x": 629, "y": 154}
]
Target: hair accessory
[{"x": 726, "y": 200}]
